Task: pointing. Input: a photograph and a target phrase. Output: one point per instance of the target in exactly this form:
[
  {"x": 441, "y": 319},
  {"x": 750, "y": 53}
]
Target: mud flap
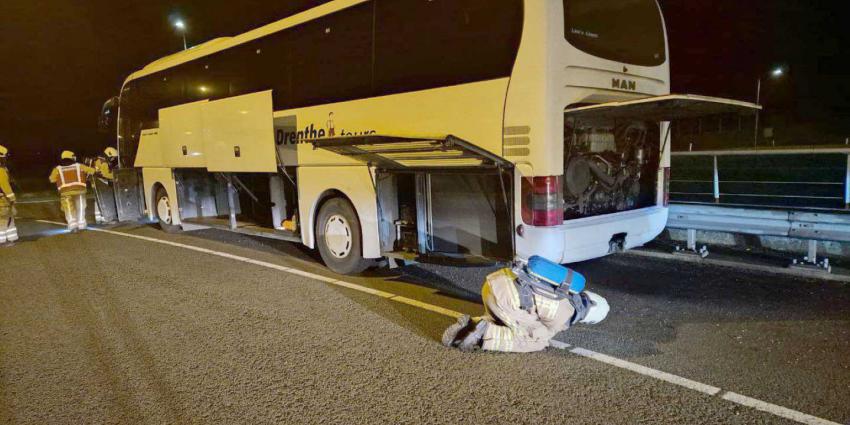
[
  {"x": 105, "y": 198},
  {"x": 128, "y": 195}
]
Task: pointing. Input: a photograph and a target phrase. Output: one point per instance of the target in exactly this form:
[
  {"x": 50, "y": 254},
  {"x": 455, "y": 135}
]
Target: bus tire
[
  {"x": 165, "y": 211},
  {"x": 338, "y": 237}
]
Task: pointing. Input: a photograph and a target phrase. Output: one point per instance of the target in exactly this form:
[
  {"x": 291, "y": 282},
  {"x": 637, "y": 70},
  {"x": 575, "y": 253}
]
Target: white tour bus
[{"x": 415, "y": 130}]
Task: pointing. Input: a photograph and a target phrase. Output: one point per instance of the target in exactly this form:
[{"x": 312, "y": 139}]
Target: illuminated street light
[
  {"x": 181, "y": 26},
  {"x": 776, "y": 73}
]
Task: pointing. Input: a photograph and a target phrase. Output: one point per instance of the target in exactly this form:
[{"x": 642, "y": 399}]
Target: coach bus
[{"x": 415, "y": 130}]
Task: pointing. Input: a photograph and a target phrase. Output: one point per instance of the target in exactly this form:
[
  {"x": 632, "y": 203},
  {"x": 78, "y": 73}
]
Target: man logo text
[{"x": 624, "y": 84}]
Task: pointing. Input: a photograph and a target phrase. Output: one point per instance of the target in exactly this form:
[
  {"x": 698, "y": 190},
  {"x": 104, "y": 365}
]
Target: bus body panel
[
  {"x": 238, "y": 134},
  {"x": 181, "y": 135},
  {"x": 472, "y": 112},
  {"x": 589, "y": 238},
  {"x": 356, "y": 184},
  {"x": 150, "y": 150}
]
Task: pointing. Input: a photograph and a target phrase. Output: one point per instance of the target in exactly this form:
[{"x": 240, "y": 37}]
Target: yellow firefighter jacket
[
  {"x": 102, "y": 167},
  {"x": 7, "y": 196},
  {"x": 71, "y": 179}
]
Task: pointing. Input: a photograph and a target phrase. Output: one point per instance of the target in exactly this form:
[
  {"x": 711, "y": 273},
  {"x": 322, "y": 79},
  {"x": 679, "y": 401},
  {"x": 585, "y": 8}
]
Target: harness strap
[{"x": 527, "y": 287}]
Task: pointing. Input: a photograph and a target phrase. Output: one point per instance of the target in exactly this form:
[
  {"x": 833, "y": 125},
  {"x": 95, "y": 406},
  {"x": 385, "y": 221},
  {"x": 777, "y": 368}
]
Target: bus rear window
[{"x": 628, "y": 31}]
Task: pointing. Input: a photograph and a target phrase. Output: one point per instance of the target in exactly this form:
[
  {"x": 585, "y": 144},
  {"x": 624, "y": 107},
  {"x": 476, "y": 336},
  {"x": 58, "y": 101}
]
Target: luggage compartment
[{"x": 450, "y": 217}]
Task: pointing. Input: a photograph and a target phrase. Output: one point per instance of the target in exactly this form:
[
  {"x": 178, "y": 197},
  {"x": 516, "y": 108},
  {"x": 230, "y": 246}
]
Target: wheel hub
[
  {"x": 338, "y": 238},
  {"x": 163, "y": 210}
]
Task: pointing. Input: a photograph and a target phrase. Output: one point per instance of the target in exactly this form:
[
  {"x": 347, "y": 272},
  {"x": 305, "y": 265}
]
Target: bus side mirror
[{"x": 108, "y": 115}]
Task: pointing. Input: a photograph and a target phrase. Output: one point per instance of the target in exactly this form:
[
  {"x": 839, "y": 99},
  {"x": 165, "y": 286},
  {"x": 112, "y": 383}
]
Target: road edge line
[
  {"x": 775, "y": 410},
  {"x": 648, "y": 371}
]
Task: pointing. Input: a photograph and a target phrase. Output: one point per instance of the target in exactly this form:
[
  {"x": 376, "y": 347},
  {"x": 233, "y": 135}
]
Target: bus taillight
[
  {"x": 666, "y": 186},
  {"x": 543, "y": 201}
]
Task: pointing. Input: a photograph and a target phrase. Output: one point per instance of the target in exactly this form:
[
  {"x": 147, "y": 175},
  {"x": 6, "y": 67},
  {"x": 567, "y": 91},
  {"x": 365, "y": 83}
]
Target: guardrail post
[
  {"x": 692, "y": 239},
  {"x": 847, "y": 183},
  {"x": 813, "y": 252},
  {"x": 717, "y": 180}
]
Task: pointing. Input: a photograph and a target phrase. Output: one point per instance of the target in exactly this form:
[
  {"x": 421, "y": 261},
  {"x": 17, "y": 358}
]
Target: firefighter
[
  {"x": 104, "y": 206},
  {"x": 70, "y": 179},
  {"x": 525, "y": 307},
  {"x": 105, "y": 165},
  {"x": 8, "y": 231}
]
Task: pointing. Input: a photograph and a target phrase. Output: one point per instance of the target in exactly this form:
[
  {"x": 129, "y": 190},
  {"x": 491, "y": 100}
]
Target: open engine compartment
[{"x": 610, "y": 166}]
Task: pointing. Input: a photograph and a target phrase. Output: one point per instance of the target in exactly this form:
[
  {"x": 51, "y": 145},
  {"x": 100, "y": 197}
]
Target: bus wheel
[
  {"x": 338, "y": 237},
  {"x": 165, "y": 212}
]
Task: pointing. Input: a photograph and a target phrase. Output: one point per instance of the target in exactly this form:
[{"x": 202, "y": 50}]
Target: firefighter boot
[
  {"x": 474, "y": 339},
  {"x": 453, "y": 334}
]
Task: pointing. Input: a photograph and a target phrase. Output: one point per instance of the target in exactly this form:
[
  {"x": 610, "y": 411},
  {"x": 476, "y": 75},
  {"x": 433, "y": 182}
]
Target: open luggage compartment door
[
  {"x": 405, "y": 153},
  {"x": 665, "y": 108},
  {"x": 441, "y": 200}
]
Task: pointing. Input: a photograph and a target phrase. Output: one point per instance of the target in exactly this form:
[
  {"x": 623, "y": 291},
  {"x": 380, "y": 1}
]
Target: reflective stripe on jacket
[{"x": 71, "y": 179}]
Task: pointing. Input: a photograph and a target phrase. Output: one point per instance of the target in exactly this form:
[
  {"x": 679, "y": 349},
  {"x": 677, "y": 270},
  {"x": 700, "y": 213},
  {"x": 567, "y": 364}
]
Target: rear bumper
[{"x": 588, "y": 238}]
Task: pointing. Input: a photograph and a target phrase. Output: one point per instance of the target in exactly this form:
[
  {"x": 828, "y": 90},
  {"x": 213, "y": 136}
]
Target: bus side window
[
  {"x": 422, "y": 44},
  {"x": 332, "y": 57}
]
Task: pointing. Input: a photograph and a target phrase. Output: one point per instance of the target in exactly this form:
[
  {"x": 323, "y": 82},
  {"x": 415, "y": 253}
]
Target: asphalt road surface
[{"x": 138, "y": 326}]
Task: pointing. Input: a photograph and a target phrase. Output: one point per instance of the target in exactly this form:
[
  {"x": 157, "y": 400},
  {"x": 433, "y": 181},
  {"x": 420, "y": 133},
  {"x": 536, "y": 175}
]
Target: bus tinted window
[
  {"x": 422, "y": 44},
  {"x": 332, "y": 58},
  {"x": 629, "y": 31}
]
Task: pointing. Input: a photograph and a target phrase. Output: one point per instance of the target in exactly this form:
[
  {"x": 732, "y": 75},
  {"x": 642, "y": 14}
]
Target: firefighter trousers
[
  {"x": 74, "y": 207},
  {"x": 8, "y": 231}
]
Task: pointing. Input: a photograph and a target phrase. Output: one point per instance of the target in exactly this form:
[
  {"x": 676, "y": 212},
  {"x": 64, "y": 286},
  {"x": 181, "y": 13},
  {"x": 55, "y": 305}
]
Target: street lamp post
[
  {"x": 181, "y": 26},
  {"x": 776, "y": 73}
]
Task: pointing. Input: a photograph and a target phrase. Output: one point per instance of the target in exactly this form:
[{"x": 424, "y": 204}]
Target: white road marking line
[
  {"x": 730, "y": 396},
  {"x": 647, "y": 371},
  {"x": 780, "y": 411},
  {"x": 559, "y": 344}
]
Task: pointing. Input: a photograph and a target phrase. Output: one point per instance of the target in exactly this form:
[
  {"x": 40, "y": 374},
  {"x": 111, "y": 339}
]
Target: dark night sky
[{"x": 62, "y": 58}]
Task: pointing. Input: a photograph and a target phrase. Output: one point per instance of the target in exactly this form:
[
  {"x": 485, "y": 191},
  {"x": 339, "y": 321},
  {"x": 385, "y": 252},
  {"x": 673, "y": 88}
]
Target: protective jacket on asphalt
[{"x": 515, "y": 329}]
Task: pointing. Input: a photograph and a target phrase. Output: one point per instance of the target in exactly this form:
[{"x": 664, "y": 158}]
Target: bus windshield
[{"x": 628, "y": 31}]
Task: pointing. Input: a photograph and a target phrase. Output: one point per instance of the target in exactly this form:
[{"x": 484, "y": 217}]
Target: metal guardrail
[
  {"x": 797, "y": 178},
  {"x": 791, "y": 224},
  {"x": 810, "y": 226}
]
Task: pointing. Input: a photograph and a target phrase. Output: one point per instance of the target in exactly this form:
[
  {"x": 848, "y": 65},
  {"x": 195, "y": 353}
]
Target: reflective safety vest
[{"x": 71, "y": 176}]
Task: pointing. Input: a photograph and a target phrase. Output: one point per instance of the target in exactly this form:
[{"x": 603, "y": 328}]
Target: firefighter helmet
[
  {"x": 3, "y": 151},
  {"x": 598, "y": 308},
  {"x": 111, "y": 152},
  {"x": 69, "y": 155}
]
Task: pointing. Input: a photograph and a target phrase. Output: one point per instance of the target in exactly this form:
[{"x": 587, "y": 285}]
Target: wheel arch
[
  {"x": 355, "y": 184},
  {"x": 155, "y": 178},
  {"x": 323, "y": 198}
]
